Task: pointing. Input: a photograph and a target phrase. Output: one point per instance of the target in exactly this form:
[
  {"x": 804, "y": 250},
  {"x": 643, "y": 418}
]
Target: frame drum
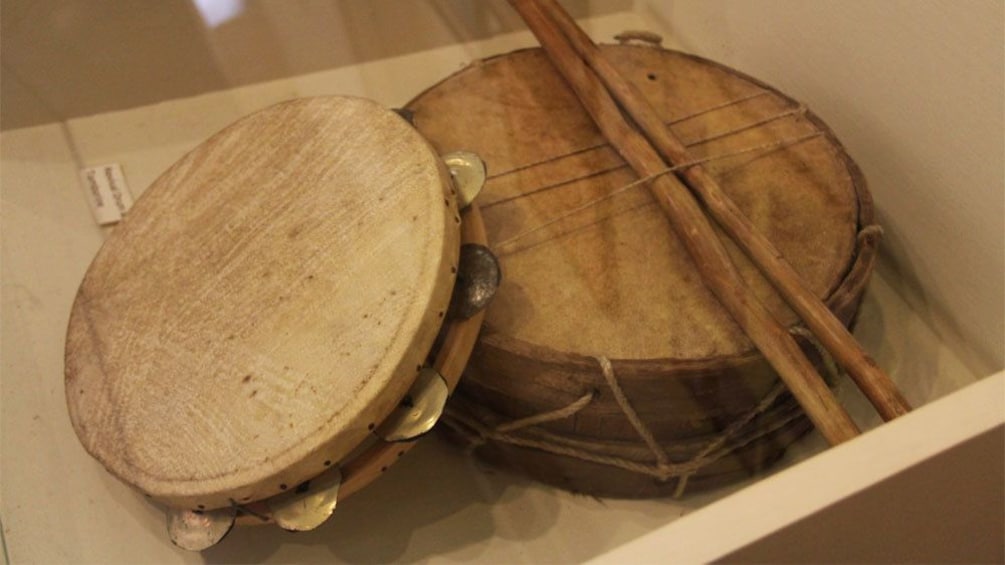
[
  {"x": 271, "y": 326},
  {"x": 606, "y": 367}
]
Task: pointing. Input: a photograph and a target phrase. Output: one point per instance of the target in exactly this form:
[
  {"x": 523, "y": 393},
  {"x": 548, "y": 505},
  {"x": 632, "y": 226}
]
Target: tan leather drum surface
[
  {"x": 613, "y": 280},
  {"x": 267, "y": 299}
]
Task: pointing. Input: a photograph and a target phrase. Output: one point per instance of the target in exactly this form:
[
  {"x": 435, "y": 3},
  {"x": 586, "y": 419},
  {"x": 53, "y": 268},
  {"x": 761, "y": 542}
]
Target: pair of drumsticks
[{"x": 652, "y": 150}]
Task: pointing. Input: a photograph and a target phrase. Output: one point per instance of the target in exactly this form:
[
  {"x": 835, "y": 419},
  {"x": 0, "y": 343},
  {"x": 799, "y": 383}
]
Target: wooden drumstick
[
  {"x": 694, "y": 229},
  {"x": 836, "y": 339}
]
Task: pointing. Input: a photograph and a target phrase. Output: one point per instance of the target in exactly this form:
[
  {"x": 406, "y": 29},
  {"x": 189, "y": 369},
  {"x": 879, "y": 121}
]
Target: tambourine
[
  {"x": 281, "y": 315},
  {"x": 606, "y": 366}
]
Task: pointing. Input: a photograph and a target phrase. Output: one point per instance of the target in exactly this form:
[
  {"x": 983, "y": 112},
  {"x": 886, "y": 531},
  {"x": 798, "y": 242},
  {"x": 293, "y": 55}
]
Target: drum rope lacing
[{"x": 477, "y": 433}]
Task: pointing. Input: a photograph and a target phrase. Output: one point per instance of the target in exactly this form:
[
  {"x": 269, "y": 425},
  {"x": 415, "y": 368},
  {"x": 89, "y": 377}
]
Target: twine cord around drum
[
  {"x": 633, "y": 417},
  {"x": 663, "y": 469},
  {"x": 514, "y": 425},
  {"x": 720, "y": 106},
  {"x": 798, "y": 111},
  {"x": 477, "y": 433},
  {"x": 560, "y": 414},
  {"x": 763, "y": 147}
]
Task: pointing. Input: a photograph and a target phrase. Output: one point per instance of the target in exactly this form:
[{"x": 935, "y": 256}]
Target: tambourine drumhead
[
  {"x": 593, "y": 271},
  {"x": 267, "y": 301}
]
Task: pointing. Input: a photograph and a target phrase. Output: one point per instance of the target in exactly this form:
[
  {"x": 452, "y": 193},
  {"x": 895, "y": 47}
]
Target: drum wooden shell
[{"x": 612, "y": 281}]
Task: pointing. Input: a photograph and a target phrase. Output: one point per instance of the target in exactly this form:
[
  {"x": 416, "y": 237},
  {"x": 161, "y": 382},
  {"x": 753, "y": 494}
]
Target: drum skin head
[
  {"x": 614, "y": 280},
  {"x": 592, "y": 268},
  {"x": 266, "y": 303}
]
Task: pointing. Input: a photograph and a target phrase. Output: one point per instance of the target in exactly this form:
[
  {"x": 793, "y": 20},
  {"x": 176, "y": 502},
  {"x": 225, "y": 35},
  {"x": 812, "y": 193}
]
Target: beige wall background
[{"x": 69, "y": 58}]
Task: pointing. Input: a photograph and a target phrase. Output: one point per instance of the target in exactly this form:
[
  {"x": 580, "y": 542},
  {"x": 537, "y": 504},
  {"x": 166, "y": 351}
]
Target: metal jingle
[
  {"x": 196, "y": 530},
  {"x": 309, "y": 505},
  {"x": 420, "y": 409},
  {"x": 468, "y": 172},
  {"x": 478, "y": 279}
]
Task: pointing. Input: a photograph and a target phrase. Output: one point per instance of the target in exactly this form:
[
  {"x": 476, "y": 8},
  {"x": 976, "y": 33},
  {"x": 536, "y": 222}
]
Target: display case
[{"x": 913, "y": 91}]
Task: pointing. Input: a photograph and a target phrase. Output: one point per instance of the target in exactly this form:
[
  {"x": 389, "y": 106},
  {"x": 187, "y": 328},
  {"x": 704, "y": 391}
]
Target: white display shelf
[{"x": 59, "y": 505}]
